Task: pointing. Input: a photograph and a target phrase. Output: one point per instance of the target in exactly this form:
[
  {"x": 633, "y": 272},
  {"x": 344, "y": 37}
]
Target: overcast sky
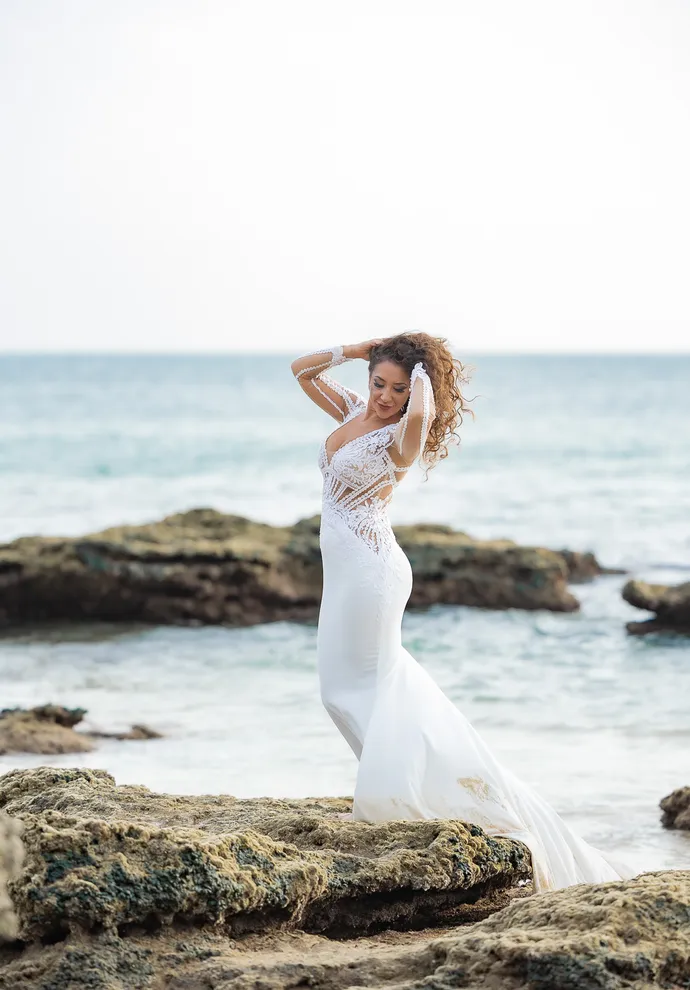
[{"x": 223, "y": 175}]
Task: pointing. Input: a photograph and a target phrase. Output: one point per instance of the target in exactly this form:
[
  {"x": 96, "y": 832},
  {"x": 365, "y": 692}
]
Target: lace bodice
[
  {"x": 359, "y": 477},
  {"x": 357, "y": 472}
]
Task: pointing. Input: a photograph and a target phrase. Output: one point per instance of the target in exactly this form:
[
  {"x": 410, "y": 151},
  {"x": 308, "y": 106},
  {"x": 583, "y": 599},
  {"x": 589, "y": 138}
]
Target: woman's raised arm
[
  {"x": 413, "y": 428},
  {"x": 310, "y": 371}
]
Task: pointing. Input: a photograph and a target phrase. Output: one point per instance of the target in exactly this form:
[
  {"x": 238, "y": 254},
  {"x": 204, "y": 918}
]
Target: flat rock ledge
[
  {"x": 676, "y": 809},
  {"x": 49, "y": 729},
  {"x": 124, "y": 889},
  {"x": 670, "y": 602},
  {"x": 204, "y": 567},
  {"x": 99, "y": 856}
]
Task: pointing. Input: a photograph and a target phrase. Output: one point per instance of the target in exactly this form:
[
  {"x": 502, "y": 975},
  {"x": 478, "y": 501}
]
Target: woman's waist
[
  {"x": 375, "y": 514},
  {"x": 356, "y": 529}
]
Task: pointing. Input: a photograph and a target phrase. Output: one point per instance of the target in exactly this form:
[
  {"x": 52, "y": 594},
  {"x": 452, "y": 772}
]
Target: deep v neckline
[{"x": 352, "y": 440}]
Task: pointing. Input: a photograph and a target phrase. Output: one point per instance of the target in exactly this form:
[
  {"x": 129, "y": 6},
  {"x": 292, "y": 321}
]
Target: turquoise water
[{"x": 583, "y": 452}]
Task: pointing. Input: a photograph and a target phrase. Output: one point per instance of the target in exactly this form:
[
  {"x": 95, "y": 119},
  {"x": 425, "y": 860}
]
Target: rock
[
  {"x": 49, "y": 729},
  {"x": 45, "y": 729},
  {"x": 11, "y": 858},
  {"x": 676, "y": 809},
  {"x": 632, "y": 935},
  {"x": 69, "y": 717},
  {"x": 102, "y": 856},
  {"x": 196, "y": 567},
  {"x": 136, "y": 732},
  {"x": 203, "y": 567},
  {"x": 670, "y": 602},
  {"x": 125, "y": 889},
  {"x": 583, "y": 567},
  {"x": 450, "y": 567}
]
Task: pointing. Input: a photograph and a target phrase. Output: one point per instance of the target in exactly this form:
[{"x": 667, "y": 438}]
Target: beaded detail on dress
[{"x": 357, "y": 471}]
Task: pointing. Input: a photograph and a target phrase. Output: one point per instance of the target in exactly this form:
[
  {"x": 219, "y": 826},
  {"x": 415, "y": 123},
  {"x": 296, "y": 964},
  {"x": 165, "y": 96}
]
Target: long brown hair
[{"x": 447, "y": 375}]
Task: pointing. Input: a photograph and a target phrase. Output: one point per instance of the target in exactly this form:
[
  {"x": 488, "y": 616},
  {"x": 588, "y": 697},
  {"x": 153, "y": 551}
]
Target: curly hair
[{"x": 447, "y": 375}]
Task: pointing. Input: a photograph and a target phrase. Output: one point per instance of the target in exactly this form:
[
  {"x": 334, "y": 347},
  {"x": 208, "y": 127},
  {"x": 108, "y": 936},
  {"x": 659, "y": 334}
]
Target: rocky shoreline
[
  {"x": 120, "y": 888},
  {"x": 204, "y": 567}
]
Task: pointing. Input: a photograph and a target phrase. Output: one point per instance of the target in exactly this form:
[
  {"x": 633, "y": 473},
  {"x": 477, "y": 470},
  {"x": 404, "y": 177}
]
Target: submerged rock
[
  {"x": 204, "y": 567},
  {"x": 670, "y": 602},
  {"x": 50, "y": 729},
  {"x": 137, "y": 732},
  {"x": 676, "y": 809},
  {"x": 102, "y": 856},
  {"x": 11, "y": 857}
]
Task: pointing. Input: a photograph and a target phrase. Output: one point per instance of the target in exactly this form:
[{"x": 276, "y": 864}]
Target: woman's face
[{"x": 389, "y": 388}]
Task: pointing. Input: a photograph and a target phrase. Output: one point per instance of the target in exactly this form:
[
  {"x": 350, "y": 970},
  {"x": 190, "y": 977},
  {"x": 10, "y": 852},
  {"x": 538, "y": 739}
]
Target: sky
[{"x": 245, "y": 175}]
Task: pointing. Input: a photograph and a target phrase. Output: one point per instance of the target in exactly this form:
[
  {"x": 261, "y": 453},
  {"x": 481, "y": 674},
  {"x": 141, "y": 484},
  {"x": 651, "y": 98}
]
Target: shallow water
[
  {"x": 594, "y": 719},
  {"x": 590, "y": 453}
]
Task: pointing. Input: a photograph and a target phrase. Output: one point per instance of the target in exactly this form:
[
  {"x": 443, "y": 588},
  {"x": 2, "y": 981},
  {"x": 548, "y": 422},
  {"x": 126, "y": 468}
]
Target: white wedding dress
[{"x": 419, "y": 757}]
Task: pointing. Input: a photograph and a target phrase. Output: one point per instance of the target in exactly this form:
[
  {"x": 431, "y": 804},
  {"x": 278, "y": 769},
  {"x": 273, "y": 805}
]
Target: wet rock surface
[
  {"x": 204, "y": 567},
  {"x": 49, "y": 729},
  {"x": 676, "y": 809},
  {"x": 670, "y": 602}
]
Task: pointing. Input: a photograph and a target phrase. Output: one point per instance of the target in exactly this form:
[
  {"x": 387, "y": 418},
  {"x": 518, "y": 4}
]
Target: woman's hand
[{"x": 362, "y": 350}]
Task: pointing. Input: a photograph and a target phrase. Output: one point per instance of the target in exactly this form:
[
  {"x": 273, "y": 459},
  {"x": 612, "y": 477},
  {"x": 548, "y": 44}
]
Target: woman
[{"x": 419, "y": 757}]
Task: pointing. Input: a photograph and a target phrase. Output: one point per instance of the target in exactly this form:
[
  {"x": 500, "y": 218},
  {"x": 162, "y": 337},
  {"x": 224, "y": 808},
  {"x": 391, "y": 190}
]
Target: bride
[{"x": 418, "y": 755}]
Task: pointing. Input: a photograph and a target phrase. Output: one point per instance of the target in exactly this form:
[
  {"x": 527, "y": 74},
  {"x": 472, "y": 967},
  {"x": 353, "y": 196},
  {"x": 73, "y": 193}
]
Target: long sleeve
[
  {"x": 310, "y": 371},
  {"x": 413, "y": 428}
]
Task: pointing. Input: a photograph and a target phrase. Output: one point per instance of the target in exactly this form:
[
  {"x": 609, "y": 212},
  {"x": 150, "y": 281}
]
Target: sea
[{"x": 588, "y": 452}]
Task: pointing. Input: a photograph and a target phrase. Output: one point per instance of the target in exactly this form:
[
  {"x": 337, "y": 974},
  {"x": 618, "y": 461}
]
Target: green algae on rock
[
  {"x": 92, "y": 874},
  {"x": 203, "y": 566},
  {"x": 99, "y": 855}
]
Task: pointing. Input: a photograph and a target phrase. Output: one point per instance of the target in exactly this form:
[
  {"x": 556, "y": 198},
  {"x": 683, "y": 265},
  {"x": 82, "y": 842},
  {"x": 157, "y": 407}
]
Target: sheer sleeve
[
  {"x": 310, "y": 371},
  {"x": 413, "y": 428}
]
